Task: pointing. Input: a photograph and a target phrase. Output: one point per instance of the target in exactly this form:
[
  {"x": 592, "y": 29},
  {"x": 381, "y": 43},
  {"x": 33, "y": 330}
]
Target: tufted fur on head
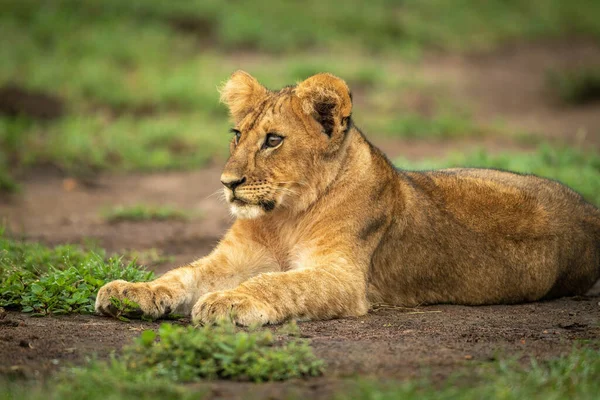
[{"x": 241, "y": 93}]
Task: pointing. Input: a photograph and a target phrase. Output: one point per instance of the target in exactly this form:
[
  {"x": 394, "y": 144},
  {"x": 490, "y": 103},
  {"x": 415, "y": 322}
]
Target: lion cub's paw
[
  {"x": 135, "y": 300},
  {"x": 240, "y": 308}
]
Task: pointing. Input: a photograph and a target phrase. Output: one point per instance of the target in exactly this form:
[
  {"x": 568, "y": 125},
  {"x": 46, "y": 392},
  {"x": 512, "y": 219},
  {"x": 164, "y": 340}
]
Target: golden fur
[{"x": 327, "y": 226}]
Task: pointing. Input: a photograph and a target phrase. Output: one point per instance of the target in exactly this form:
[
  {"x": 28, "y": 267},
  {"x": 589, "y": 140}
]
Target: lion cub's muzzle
[{"x": 242, "y": 192}]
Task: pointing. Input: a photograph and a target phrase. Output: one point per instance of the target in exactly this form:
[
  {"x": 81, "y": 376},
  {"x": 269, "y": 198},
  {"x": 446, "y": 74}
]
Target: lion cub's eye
[
  {"x": 237, "y": 137},
  {"x": 273, "y": 140}
]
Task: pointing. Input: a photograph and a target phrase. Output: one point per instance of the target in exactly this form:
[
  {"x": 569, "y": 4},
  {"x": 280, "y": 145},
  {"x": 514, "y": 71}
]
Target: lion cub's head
[{"x": 287, "y": 145}]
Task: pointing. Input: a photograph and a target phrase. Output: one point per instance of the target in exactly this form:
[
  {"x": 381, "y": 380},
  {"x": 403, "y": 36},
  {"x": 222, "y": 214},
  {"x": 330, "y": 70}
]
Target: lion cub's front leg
[
  {"x": 322, "y": 292},
  {"x": 234, "y": 261}
]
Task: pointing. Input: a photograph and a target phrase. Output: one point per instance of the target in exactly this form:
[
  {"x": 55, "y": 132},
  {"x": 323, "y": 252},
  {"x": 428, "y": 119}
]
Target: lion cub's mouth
[
  {"x": 239, "y": 202},
  {"x": 246, "y": 208},
  {"x": 266, "y": 205}
]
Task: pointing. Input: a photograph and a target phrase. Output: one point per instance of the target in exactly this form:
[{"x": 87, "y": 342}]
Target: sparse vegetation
[
  {"x": 574, "y": 376},
  {"x": 151, "y": 369},
  {"x": 97, "y": 381},
  {"x": 86, "y": 144},
  {"x": 445, "y": 125},
  {"x": 62, "y": 280},
  {"x": 575, "y": 168},
  {"x": 577, "y": 86},
  {"x": 155, "y": 363},
  {"x": 141, "y": 212},
  {"x": 289, "y": 28},
  {"x": 186, "y": 354}
]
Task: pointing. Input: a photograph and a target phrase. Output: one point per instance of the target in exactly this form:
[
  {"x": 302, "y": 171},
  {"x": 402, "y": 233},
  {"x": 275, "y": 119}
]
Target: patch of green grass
[
  {"x": 142, "y": 212},
  {"x": 138, "y": 78},
  {"x": 578, "y": 169},
  {"x": 155, "y": 365},
  {"x": 185, "y": 354},
  {"x": 364, "y": 74},
  {"x": 83, "y": 144},
  {"x": 445, "y": 125},
  {"x": 96, "y": 381},
  {"x": 290, "y": 27},
  {"x": 574, "y": 376},
  {"x": 11, "y": 138},
  {"x": 579, "y": 86},
  {"x": 409, "y": 107},
  {"x": 61, "y": 280},
  {"x": 93, "y": 138}
]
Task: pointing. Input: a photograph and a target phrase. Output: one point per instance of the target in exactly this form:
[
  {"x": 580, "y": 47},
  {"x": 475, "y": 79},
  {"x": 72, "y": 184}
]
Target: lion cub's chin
[{"x": 247, "y": 211}]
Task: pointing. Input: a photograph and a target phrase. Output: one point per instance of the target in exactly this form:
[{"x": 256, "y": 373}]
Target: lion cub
[{"x": 326, "y": 225}]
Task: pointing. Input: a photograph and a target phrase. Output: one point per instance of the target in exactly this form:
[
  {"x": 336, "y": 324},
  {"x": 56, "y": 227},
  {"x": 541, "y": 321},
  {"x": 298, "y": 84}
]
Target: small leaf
[{"x": 36, "y": 288}]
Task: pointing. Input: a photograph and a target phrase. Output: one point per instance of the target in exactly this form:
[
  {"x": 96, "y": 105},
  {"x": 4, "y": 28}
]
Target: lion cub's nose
[{"x": 232, "y": 182}]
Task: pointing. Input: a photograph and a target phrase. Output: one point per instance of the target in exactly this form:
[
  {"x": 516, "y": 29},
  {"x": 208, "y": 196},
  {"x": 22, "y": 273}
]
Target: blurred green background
[{"x": 110, "y": 85}]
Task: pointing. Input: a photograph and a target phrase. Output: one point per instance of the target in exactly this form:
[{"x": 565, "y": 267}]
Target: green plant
[
  {"x": 189, "y": 353},
  {"x": 125, "y": 307},
  {"x": 40, "y": 280},
  {"x": 141, "y": 212}
]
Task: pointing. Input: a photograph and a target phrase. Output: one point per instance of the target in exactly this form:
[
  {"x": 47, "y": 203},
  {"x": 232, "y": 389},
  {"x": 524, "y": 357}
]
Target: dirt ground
[{"x": 388, "y": 342}]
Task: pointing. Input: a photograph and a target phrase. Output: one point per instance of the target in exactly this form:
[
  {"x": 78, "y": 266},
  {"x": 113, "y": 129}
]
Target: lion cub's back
[{"x": 506, "y": 203}]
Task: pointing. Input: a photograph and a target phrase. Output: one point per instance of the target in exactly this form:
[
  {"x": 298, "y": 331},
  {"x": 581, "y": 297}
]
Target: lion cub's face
[{"x": 285, "y": 144}]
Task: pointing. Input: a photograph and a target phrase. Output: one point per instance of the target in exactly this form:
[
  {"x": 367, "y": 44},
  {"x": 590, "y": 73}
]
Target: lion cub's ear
[
  {"x": 241, "y": 93},
  {"x": 327, "y": 99}
]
